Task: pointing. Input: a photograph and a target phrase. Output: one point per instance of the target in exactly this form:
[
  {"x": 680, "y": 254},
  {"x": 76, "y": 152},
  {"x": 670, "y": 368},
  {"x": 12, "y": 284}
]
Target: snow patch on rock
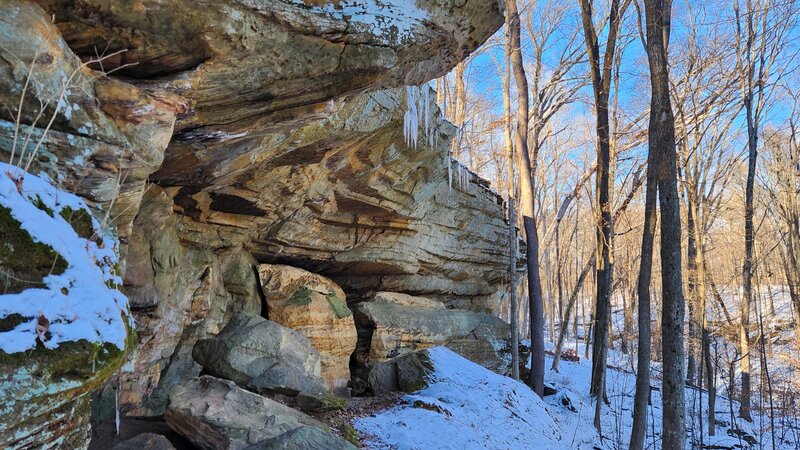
[{"x": 83, "y": 302}]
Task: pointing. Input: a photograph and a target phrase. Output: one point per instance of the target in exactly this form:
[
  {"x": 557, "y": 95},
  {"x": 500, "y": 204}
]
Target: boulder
[
  {"x": 215, "y": 414},
  {"x": 394, "y": 324},
  {"x": 314, "y": 306},
  {"x": 407, "y": 373},
  {"x": 263, "y": 357},
  {"x": 303, "y": 438},
  {"x": 145, "y": 441}
]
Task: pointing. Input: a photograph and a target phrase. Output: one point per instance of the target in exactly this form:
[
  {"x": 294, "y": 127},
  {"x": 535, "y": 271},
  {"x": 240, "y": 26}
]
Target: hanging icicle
[{"x": 418, "y": 109}]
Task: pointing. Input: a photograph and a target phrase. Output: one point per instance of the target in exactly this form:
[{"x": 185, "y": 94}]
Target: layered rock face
[
  {"x": 393, "y": 324},
  {"x": 226, "y": 141}
]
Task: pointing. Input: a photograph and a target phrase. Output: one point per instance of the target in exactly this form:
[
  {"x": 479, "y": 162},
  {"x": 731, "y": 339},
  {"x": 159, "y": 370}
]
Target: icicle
[
  {"x": 427, "y": 110},
  {"x": 449, "y": 171}
]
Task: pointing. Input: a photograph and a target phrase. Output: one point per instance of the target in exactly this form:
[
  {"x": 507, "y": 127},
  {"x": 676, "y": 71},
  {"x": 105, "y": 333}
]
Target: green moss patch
[
  {"x": 24, "y": 262},
  {"x": 81, "y": 221},
  {"x": 301, "y": 297},
  {"x": 339, "y": 306},
  {"x": 350, "y": 434}
]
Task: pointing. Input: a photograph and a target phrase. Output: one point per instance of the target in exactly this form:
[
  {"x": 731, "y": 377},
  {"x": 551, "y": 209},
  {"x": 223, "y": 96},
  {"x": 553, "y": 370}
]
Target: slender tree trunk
[
  {"x": 562, "y": 332},
  {"x": 524, "y": 166},
  {"x": 642, "y": 396},
  {"x": 512, "y": 236},
  {"x": 601, "y": 83},
  {"x": 747, "y": 267},
  {"x": 692, "y": 289},
  {"x": 662, "y": 143},
  {"x": 512, "y": 217}
]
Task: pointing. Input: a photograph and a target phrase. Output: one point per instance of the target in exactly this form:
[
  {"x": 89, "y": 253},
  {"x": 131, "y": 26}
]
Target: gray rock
[
  {"x": 392, "y": 325},
  {"x": 303, "y": 438},
  {"x": 145, "y": 441},
  {"x": 216, "y": 414},
  {"x": 261, "y": 356},
  {"x": 406, "y": 373}
]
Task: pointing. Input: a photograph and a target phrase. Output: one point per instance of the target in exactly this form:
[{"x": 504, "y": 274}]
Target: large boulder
[
  {"x": 262, "y": 356},
  {"x": 215, "y": 414},
  {"x": 316, "y": 307},
  {"x": 393, "y": 324},
  {"x": 407, "y": 373}
]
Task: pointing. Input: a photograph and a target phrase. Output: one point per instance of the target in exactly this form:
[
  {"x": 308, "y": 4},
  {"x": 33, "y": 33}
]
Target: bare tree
[
  {"x": 662, "y": 145},
  {"x": 761, "y": 30},
  {"x": 601, "y": 84},
  {"x": 524, "y": 167}
]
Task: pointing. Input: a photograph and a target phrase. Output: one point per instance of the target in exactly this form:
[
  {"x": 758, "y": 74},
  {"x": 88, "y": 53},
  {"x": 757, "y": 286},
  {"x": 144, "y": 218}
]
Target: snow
[
  {"x": 82, "y": 302},
  {"x": 480, "y": 409},
  {"x": 573, "y": 380},
  {"x": 391, "y": 22}
]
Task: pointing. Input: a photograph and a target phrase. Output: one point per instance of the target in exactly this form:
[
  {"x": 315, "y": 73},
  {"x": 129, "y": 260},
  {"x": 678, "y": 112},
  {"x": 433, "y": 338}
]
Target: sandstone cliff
[{"x": 211, "y": 137}]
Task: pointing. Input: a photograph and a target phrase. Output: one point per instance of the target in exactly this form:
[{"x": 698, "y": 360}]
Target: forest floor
[{"x": 469, "y": 407}]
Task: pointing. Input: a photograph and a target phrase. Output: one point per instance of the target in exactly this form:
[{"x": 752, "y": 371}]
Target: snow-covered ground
[
  {"x": 465, "y": 406},
  {"x": 469, "y": 407}
]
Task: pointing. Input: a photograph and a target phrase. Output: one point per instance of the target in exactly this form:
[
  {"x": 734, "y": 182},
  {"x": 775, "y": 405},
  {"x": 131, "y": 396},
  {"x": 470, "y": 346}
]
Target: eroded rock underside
[{"x": 217, "y": 136}]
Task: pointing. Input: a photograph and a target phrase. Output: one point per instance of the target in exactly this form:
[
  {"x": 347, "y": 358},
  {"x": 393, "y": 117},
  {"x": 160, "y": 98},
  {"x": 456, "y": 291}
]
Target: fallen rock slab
[
  {"x": 395, "y": 324},
  {"x": 262, "y": 356},
  {"x": 216, "y": 414}
]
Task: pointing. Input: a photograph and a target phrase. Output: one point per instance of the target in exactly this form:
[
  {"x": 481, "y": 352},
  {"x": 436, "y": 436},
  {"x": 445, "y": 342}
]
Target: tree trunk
[
  {"x": 536, "y": 380},
  {"x": 642, "y": 396},
  {"x": 747, "y": 267},
  {"x": 512, "y": 218},
  {"x": 662, "y": 143},
  {"x": 562, "y": 332},
  {"x": 601, "y": 83}
]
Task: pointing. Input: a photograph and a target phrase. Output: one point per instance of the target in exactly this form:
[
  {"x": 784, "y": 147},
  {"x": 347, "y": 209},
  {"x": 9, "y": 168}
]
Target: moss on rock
[{"x": 23, "y": 261}]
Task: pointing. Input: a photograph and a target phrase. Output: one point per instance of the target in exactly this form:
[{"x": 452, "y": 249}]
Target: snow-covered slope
[{"x": 465, "y": 406}]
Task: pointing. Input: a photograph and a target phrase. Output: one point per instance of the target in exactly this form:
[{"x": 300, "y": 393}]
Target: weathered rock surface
[
  {"x": 45, "y": 394},
  {"x": 179, "y": 293},
  {"x": 97, "y": 137},
  {"x": 316, "y": 307},
  {"x": 249, "y": 64},
  {"x": 393, "y": 324},
  {"x": 303, "y": 438},
  {"x": 261, "y": 356},
  {"x": 346, "y": 197},
  {"x": 406, "y": 373},
  {"x": 215, "y": 414},
  {"x": 279, "y": 149},
  {"x": 145, "y": 441}
]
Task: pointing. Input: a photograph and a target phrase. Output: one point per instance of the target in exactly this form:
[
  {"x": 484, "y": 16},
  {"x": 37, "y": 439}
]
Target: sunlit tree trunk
[
  {"x": 536, "y": 310},
  {"x": 662, "y": 142}
]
